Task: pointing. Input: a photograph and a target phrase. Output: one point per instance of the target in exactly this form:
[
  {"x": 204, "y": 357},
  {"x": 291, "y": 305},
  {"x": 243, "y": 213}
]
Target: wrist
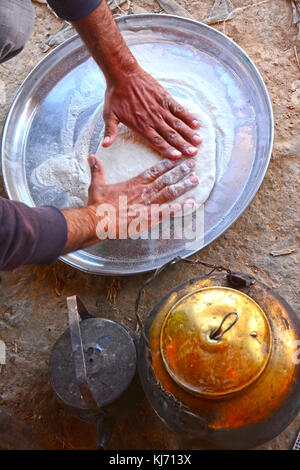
[
  {"x": 81, "y": 225},
  {"x": 106, "y": 44},
  {"x": 121, "y": 70},
  {"x": 91, "y": 220}
]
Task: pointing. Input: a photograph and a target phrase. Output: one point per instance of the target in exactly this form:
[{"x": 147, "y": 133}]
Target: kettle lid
[
  {"x": 110, "y": 362},
  {"x": 215, "y": 342}
]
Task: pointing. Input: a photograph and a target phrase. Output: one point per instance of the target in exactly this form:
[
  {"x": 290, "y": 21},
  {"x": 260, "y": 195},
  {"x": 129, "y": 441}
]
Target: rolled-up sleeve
[
  {"x": 73, "y": 10},
  {"x": 30, "y": 235}
]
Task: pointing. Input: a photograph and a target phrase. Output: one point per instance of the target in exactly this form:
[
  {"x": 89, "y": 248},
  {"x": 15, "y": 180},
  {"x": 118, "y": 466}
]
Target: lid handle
[
  {"x": 217, "y": 334},
  {"x": 78, "y": 354},
  {"x": 157, "y": 272}
]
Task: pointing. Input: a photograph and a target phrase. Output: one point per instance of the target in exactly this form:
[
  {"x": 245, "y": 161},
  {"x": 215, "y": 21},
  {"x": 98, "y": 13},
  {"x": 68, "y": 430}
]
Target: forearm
[{"x": 102, "y": 37}]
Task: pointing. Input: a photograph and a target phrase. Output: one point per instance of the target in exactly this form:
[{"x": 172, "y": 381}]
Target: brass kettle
[{"x": 219, "y": 361}]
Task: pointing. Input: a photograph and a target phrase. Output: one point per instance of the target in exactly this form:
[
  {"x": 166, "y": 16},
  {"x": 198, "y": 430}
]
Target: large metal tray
[{"x": 35, "y": 128}]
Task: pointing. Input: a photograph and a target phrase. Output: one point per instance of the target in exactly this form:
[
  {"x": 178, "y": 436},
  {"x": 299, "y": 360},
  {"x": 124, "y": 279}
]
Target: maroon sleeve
[
  {"x": 73, "y": 10},
  {"x": 30, "y": 235}
]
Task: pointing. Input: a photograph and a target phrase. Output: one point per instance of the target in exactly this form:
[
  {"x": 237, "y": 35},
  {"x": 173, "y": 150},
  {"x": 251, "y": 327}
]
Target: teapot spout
[{"x": 105, "y": 425}]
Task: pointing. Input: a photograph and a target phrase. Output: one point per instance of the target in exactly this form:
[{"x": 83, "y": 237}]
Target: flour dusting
[{"x": 131, "y": 154}]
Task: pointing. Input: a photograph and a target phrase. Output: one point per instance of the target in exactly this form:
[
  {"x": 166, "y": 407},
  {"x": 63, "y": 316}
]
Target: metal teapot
[
  {"x": 218, "y": 361},
  {"x": 92, "y": 370}
]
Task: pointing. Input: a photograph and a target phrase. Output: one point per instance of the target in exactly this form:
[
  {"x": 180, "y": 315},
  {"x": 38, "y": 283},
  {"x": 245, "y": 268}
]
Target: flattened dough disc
[{"x": 130, "y": 155}]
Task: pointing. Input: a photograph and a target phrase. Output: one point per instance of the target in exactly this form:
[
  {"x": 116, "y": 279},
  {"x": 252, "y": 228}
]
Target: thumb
[
  {"x": 111, "y": 130},
  {"x": 97, "y": 170}
]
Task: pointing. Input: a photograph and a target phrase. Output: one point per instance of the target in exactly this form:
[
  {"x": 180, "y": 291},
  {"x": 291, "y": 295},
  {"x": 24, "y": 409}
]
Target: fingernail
[
  {"x": 191, "y": 163},
  {"x": 194, "y": 179},
  {"x": 106, "y": 140},
  {"x": 176, "y": 153},
  {"x": 94, "y": 165},
  {"x": 196, "y": 139},
  {"x": 195, "y": 123},
  {"x": 191, "y": 150}
]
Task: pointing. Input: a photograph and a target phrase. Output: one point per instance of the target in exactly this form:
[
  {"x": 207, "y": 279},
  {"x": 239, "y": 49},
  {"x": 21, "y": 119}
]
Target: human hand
[
  {"x": 157, "y": 186},
  {"x": 144, "y": 106}
]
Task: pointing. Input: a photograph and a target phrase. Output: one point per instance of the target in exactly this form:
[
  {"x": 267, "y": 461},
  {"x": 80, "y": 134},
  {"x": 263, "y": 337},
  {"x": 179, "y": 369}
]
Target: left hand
[{"x": 144, "y": 106}]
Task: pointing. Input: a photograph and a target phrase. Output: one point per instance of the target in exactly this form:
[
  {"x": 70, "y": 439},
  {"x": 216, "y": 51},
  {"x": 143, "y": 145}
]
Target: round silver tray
[{"x": 35, "y": 128}]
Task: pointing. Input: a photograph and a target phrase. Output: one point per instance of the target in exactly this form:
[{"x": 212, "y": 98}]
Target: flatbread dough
[
  {"x": 127, "y": 157},
  {"x": 130, "y": 155}
]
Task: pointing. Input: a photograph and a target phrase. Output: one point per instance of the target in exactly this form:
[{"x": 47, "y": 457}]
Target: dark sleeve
[
  {"x": 73, "y": 10},
  {"x": 30, "y": 235}
]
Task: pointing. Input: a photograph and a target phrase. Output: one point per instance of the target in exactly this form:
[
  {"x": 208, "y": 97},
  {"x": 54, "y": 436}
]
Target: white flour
[
  {"x": 131, "y": 155},
  {"x": 70, "y": 173}
]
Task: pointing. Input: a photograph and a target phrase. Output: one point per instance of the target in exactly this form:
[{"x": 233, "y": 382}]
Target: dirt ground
[{"x": 33, "y": 300}]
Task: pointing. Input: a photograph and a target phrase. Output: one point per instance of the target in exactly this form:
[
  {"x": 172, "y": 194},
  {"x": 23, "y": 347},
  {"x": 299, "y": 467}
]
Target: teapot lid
[
  {"x": 215, "y": 342},
  {"x": 109, "y": 360}
]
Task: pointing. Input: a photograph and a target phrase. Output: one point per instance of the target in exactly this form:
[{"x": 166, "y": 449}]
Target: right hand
[
  {"x": 158, "y": 185},
  {"x": 143, "y": 105}
]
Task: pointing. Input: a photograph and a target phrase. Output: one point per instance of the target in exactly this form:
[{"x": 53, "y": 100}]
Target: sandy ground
[{"x": 33, "y": 307}]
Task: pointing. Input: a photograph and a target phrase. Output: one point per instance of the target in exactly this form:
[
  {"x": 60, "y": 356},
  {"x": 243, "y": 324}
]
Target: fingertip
[
  {"x": 190, "y": 151},
  {"x": 196, "y": 139},
  {"x": 95, "y": 163},
  {"x": 173, "y": 154},
  {"x": 195, "y": 124},
  {"x": 92, "y": 159},
  {"x": 106, "y": 142},
  {"x": 194, "y": 178},
  {"x": 110, "y": 133}
]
